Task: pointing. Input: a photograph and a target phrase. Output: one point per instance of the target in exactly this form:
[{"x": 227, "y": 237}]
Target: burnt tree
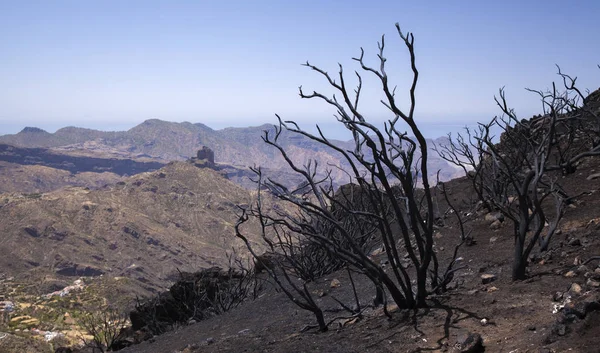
[
  {"x": 387, "y": 166},
  {"x": 514, "y": 175}
]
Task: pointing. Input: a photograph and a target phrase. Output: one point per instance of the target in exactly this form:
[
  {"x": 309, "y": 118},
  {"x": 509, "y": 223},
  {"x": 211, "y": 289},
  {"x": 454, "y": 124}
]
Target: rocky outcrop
[
  {"x": 207, "y": 154},
  {"x": 205, "y": 158}
]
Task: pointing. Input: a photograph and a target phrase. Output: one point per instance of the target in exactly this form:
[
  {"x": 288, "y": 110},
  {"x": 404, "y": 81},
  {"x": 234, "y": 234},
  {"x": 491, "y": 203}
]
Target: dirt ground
[{"x": 514, "y": 317}]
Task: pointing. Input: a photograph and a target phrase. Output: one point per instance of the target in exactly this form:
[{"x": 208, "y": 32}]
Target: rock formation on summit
[{"x": 207, "y": 154}]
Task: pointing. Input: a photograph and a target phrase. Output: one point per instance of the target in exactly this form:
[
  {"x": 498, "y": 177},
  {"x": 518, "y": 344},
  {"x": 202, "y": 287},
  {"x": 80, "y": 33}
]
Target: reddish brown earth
[{"x": 510, "y": 316}]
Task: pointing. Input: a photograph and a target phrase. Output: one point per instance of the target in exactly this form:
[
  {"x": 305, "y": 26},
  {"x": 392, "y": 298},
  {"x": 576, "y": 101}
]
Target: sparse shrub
[
  {"x": 196, "y": 296},
  {"x": 105, "y": 326}
]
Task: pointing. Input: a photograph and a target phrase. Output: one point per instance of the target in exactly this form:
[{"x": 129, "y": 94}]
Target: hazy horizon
[
  {"x": 111, "y": 65},
  {"x": 331, "y": 129}
]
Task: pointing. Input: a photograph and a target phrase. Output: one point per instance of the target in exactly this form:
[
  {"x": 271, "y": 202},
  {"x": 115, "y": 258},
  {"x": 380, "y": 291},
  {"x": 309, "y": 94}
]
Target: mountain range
[{"x": 161, "y": 142}]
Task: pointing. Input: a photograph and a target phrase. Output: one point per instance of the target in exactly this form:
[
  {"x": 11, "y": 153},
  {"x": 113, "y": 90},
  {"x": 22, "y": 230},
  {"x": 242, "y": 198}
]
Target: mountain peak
[{"x": 35, "y": 130}]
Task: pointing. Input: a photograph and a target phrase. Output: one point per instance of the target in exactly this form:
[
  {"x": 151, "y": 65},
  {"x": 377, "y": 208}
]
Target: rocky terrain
[
  {"x": 128, "y": 239},
  {"x": 114, "y": 227},
  {"x": 557, "y": 309},
  {"x": 93, "y": 219}
]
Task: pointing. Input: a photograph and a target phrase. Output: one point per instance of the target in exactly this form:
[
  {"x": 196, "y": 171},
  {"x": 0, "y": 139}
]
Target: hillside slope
[
  {"x": 144, "y": 228},
  {"x": 557, "y": 309}
]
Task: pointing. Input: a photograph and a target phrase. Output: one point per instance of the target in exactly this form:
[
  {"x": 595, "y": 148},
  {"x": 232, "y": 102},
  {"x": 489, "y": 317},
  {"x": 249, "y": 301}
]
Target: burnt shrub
[{"x": 194, "y": 297}]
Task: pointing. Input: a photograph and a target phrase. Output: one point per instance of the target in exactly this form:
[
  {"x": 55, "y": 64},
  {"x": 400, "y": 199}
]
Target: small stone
[
  {"x": 557, "y": 296},
  {"x": 493, "y": 240},
  {"x": 244, "y": 331},
  {"x": 494, "y": 216},
  {"x": 590, "y": 282},
  {"x": 496, "y": 225},
  {"x": 191, "y": 348},
  {"x": 488, "y": 278},
  {"x": 210, "y": 340},
  {"x": 335, "y": 283},
  {"x": 575, "y": 289},
  {"x": 570, "y": 274},
  {"x": 484, "y": 322},
  {"x": 491, "y": 289},
  {"x": 574, "y": 242}
]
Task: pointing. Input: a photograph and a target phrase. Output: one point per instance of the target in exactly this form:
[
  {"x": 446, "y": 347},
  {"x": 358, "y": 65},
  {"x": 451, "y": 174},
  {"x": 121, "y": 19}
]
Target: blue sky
[{"x": 113, "y": 64}]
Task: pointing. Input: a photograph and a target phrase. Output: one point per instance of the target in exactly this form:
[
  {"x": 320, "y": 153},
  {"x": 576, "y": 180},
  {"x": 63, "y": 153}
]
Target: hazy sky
[{"x": 113, "y": 64}]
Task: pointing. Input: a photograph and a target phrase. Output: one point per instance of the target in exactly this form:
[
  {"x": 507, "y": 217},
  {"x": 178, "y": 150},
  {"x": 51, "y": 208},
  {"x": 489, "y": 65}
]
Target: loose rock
[
  {"x": 496, "y": 225},
  {"x": 494, "y": 216},
  {"x": 488, "y": 278},
  {"x": 575, "y": 289},
  {"x": 590, "y": 282},
  {"x": 470, "y": 343},
  {"x": 574, "y": 242},
  {"x": 558, "y": 296}
]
